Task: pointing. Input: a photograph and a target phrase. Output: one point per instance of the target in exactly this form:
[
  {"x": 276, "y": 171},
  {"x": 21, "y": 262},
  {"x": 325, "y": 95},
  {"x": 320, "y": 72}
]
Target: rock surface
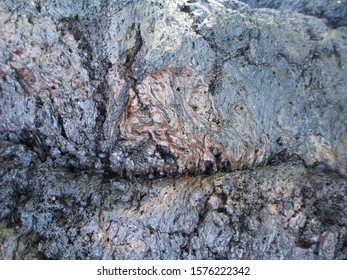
[
  {"x": 171, "y": 88},
  {"x": 276, "y": 212},
  {"x": 333, "y": 11},
  {"x": 97, "y": 96}
]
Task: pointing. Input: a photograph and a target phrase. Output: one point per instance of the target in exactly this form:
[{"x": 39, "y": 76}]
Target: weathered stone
[
  {"x": 167, "y": 84},
  {"x": 100, "y": 96},
  {"x": 240, "y": 215},
  {"x": 333, "y": 12}
]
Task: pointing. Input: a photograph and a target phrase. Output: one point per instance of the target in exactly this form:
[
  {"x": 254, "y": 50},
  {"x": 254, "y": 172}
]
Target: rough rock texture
[
  {"x": 93, "y": 92},
  {"x": 276, "y": 212},
  {"x": 156, "y": 87},
  {"x": 333, "y": 11}
]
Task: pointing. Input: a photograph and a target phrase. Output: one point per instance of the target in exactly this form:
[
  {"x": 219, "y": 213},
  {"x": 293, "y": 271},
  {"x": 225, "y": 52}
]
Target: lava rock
[
  {"x": 156, "y": 84},
  {"x": 112, "y": 75},
  {"x": 334, "y": 12}
]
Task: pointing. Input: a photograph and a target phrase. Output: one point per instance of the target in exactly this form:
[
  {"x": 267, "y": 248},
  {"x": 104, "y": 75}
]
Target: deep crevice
[
  {"x": 90, "y": 32},
  {"x": 130, "y": 57}
]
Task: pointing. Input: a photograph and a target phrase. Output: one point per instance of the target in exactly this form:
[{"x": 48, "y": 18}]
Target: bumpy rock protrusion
[{"x": 157, "y": 84}]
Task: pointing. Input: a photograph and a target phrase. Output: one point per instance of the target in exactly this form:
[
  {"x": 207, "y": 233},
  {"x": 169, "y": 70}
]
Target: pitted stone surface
[
  {"x": 172, "y": 129},
  {"x": 157, "y": 85}
]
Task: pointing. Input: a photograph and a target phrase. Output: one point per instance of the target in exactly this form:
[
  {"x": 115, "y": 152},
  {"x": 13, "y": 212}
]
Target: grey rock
[
  {"x": 99, "y": 99},
  {"x": 333, "y": 12},
  {"x": 239, "y": 215},
  {"x": 171, "y": 85}
]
